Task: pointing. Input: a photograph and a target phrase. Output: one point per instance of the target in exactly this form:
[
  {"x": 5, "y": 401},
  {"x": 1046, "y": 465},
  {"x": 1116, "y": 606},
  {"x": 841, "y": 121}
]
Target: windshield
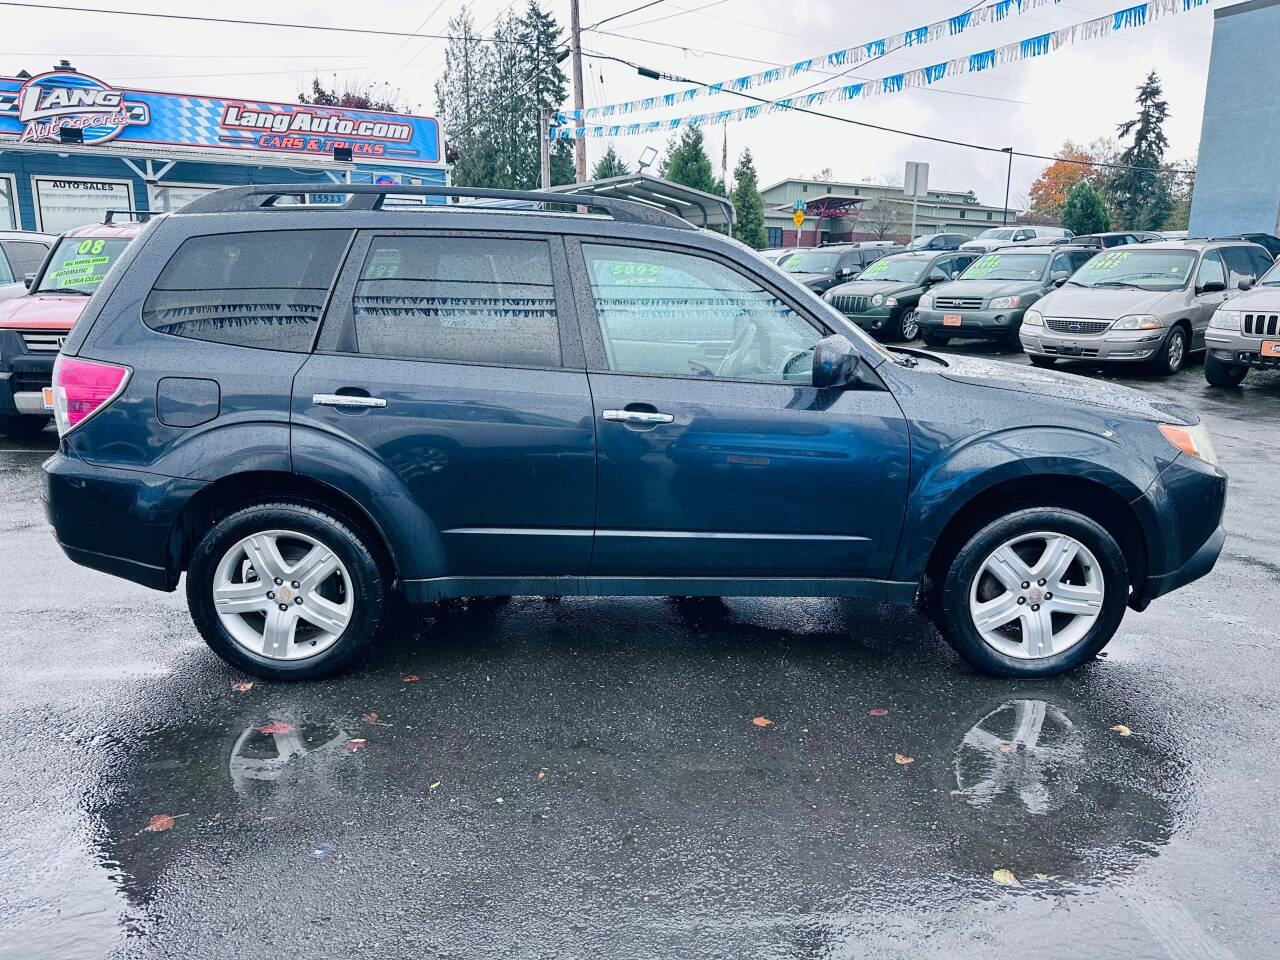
[
  {"x": 920, "y": 242},
  {"x": 815, "y": 261},
  {"x": 1272, "y": 277},
  {"x": 1134, "y": 267},
  {"x": 78, "y": 264},
  {"x": 906, "y": 269},
  {"x": 996, "y": 233},
  {"x": 1007, "y": 266}
]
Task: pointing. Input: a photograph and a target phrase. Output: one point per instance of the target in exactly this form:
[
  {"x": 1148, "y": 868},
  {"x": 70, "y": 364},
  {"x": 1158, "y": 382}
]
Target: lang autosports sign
[{"x": 38, "y": 109}]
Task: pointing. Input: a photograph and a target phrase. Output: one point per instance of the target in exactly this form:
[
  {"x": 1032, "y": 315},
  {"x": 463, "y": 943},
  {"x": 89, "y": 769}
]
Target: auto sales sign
[{"x": 38, "y": 109}]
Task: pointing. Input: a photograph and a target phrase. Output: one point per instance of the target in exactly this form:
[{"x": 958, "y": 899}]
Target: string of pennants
[
  {"x": 849, "y": 56},
  {"x": 1029, "y": 48}
]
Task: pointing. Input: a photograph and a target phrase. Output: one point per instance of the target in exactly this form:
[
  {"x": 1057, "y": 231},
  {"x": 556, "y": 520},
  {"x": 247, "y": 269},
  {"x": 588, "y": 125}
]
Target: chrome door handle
[
  {"x": 346, "y": 400},
  {"x": 637, "y": 416}
]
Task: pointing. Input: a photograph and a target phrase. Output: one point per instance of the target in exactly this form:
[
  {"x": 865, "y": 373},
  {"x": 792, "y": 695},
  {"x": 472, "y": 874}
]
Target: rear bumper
[{"x": 116, "y": 521}]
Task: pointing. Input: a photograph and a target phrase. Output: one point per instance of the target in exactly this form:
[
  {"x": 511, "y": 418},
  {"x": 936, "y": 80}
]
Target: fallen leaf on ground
[
  {"x": 1042, "y": 876},
  {"x": 542, "y": 774},
  {"x": 242, "y": 687},
  {"x": 410, "y": 678},
  {"x": 161, "y": 821},
  {"x": 1006, "y": 748},
  {"x": 356, "y": 743},
  {"x": 762, "y": 722},
  {"x": 1121, "y": 729},
  {"x": 276, "y": 726},
  {"x": 879, "y": 712},
  {"x": 1005, "y": 878},
  {"x": 434, "y": 785},
  {"x": 902, "y": 759},
  {"x": 370, "y": 718}
]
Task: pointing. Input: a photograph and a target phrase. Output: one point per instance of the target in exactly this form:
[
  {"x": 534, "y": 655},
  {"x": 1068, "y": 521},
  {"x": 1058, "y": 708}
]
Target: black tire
[
  {"x": 953, "y": 604},
  {"x": 934, "y": 339},
  {"x": 903, "y": 324},
  {"x": 24, "y": 428},
  {"x": 1172, "y": 355},
  {"x": 1040, "y": 360},
  {"x": 366, "y": 581},
  {"x": 1219, "y": 373}
]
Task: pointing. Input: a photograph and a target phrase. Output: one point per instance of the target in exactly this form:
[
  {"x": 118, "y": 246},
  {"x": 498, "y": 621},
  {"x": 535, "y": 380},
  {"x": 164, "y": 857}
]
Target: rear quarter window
[{"x": 264, "y": 289}]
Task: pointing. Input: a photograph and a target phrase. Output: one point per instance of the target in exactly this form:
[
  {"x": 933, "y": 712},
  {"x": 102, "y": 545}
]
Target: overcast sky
[{"x": 1079, "y": 92}]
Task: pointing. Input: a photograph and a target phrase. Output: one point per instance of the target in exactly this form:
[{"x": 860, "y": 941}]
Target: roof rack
[
  {"x": 369, "y": 196},
  {"x": 142, "y": 215}
]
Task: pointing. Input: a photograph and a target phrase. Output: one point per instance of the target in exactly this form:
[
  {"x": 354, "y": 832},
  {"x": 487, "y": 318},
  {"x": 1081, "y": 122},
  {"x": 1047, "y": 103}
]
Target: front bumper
[
  {"x": 1113, "y": 345},
  {"x": 23, "y": 376},
  {"x": 985, "y": 323},
  {"x": 873, "y": 320},
  {"x": 1234, "y": 347},
  {"x": 116, "y": 521}
]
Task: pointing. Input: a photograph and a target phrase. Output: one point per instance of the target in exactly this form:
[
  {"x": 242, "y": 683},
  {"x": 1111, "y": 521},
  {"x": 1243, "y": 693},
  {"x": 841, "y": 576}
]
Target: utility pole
[
  {"x": 1009, "y": 177},
  {"x": 575, "y": 42},
  {"x": 544, "y": 149}
]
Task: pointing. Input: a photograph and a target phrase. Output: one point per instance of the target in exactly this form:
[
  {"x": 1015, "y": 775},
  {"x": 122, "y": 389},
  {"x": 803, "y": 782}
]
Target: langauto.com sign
[{"x": 39, "y": 108}]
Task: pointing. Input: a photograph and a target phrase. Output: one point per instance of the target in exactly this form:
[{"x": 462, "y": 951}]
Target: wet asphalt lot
[{"x": 584, "y": 777}]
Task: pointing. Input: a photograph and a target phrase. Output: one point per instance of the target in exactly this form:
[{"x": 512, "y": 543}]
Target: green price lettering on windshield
[
  {"x": 1107, "y": 262},
  {"x": 632, "y": 274},
  {"x": 877, "y": 268},
  {"x": 90, "y": 246},
  {"x": 984, "y": 265},
  {"x": 791, "y": 261}
]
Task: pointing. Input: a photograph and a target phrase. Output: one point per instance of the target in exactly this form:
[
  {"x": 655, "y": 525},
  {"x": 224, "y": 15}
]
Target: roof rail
[
  {"x": 369, "y": 196},
  {"x": 142, "y": 215}
]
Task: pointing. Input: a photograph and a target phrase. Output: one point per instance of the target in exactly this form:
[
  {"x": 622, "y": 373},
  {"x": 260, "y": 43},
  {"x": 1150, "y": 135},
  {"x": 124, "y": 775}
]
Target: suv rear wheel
[
  {"x": 1034, "y": 593},
  {"x": 1219, "y": 373},
  {"x": 284, "y": 591}
]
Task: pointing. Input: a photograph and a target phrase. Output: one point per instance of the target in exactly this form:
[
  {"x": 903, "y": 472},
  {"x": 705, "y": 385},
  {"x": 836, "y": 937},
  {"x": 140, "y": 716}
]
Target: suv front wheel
[
  {"x": 1034, "y": 593},
  {"x": 285, "y": 591}
]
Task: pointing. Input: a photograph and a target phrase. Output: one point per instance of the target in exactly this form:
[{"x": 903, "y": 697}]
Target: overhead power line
[
  {"x": 624, "y": 13},
  {"x": 370, "y": 31}
]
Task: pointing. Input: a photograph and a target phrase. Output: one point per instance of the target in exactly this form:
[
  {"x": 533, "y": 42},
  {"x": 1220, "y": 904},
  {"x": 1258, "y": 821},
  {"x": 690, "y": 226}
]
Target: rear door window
[
  {"x": 459, "y": 299},
  {"x": 1261, "y": 261},
  {"x": 265, "y": 289},
  {"x": 1239, "y": 265},
  {"x": 24, "y": 256}
]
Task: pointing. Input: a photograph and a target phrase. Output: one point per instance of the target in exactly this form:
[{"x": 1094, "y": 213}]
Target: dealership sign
[{"x": 38, "y": 109}]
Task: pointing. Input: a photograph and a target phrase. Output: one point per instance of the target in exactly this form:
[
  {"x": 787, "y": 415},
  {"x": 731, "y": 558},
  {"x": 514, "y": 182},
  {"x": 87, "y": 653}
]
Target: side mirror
[
  {"x": 935, "y": 276},
  {"x": 835, "y": 362},
  {"x": 28, "y": 280},
  {"x": 1059, "y": 277},
  {"x": 1246, "y": 283},
  {"x": 1211, "y": 286}
]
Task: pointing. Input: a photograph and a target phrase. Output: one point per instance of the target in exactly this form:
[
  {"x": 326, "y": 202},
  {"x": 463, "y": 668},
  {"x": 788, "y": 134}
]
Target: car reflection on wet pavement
[{"x": 584, "y": 777}]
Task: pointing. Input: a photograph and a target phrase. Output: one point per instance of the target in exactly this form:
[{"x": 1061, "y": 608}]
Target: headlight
[
  {"x": 1003, "y": 303},
  {"x": 1032, "y": 318},
  {"x": 926, "y": 301},
  {"x": 1192, "y": 440},
  {"x": 1226, "y": 319},
  {"x": 1138, "y": 321},
  {"x": 829, "y": 295},
  {"x": 877, "y": 300}
]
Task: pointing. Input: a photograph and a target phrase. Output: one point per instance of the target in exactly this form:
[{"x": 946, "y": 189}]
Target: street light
[{"x": 647, "y": 156}]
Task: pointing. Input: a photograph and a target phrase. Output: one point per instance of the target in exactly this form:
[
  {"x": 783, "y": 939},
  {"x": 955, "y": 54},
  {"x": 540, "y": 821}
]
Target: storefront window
[
  {"x": 165, "y": 197},
  {"x": 64, "y": 204},
  {"x": 8, "y": 204}
]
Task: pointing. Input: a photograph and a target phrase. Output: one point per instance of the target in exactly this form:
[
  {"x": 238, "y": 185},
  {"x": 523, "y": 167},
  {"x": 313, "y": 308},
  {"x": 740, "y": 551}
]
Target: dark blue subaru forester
[{"x": 307, "y": 408}]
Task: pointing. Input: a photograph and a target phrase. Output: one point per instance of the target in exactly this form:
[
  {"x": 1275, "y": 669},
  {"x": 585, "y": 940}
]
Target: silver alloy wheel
[
  {"x": 1177, "y": 348},
  {"x": 910, "y": 326},
  {"x": 283, "y": 594},
  {"x": 1036, "y": 595}
]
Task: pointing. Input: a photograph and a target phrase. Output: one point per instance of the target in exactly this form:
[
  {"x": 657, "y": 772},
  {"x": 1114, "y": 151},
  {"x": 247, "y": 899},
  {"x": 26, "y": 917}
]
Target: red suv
[{"x": 32, "y": 327}]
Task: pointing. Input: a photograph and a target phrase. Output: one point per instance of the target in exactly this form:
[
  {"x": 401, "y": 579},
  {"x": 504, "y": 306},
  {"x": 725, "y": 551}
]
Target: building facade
[
  {"x": 73, "y": 147},
  {"x": 873, "y": 212},
  {"x": 1237, "y": 186}
]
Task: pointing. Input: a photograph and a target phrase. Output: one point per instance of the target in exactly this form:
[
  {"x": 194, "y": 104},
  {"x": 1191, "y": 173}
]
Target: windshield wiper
[
  {"x": 82, "y": 293},
  {"x": 1119, "y": 283}
]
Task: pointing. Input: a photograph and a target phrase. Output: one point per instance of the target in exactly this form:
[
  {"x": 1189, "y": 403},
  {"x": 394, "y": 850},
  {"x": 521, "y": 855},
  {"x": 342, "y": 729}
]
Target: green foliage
[
  {"x": 489, "y": 99},
  {"x": 609, "y": 165},
  {"x": 1083, "y": 210},
  {"x": 749, "y": 227},
  {"x": 1139, "y": 195},
  {"x": 687, "y": 162}
]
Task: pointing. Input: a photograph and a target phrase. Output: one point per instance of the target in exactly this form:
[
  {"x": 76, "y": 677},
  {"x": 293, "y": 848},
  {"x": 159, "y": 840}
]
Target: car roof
[
  {"x": 125, "y": 231},
  {"x": 1198, "y": 246},
  {"x": 27, "y": 235}
]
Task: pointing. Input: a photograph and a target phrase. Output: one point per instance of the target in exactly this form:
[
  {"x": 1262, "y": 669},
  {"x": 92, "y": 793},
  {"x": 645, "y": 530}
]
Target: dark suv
[{"x": 308, "y": 409}]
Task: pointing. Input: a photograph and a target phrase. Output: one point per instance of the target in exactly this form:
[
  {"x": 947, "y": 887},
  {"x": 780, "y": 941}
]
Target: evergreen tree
[
  {"x": 1139, "y": 193},
  {"x": 749, "y": 227},
  {"x": 462, "y": 99},
  {"x": 1083, "y": 210},
  {"x": 609, "y": 165},
  {"x": 547, "y": 87},
  {"x": 687, "y": 162}
]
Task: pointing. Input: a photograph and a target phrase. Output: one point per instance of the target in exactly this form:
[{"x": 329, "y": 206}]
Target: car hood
[
  {"x": 1264, "y": 298},
  {"x": 809, "y": 279},
  {"x": 985, "y": 288},
  {"x": 41, "y": 311},
  {"x": 1068, "y": 387},
  {"x": 869, "y": 288},
  {"x": 10, "y": 290},
  {"x": 1108, "y": 303}
]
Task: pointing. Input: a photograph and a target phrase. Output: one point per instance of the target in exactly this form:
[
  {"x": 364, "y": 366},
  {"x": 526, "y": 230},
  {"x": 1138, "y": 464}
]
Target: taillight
[{"x": 83, "y": 387}]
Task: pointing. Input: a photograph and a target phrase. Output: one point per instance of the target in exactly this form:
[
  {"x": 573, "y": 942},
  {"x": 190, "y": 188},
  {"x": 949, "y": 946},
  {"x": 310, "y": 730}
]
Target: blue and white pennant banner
[
  {"x": 1029, "y": 48},
  {"x": 849, "y": 56}
]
